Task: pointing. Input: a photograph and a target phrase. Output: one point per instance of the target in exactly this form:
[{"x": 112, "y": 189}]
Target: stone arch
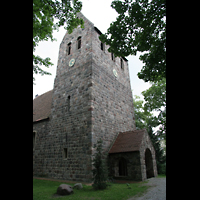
[
  {"x": 149, "y": 163},
  {"x": 123, "y": 167}
]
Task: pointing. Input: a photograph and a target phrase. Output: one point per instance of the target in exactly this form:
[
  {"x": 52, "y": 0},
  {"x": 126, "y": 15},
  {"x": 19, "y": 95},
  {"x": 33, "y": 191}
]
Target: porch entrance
[{"x": 149, "y": 163}]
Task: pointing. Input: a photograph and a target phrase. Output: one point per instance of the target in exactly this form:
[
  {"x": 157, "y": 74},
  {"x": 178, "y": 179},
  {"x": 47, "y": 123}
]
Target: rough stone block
[{"x": 64, "y": 189}]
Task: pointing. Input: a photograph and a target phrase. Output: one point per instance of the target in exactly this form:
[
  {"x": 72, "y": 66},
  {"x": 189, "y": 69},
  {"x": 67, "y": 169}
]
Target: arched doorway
[
  {"x": 123, "y": 167},
  {"x": 149, "y": 163}
]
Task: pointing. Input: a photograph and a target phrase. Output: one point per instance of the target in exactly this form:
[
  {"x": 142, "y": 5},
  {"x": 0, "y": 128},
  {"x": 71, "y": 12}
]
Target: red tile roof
[
  {"x": 128, "y": 141},
  {"x": 42, "y": 106}
]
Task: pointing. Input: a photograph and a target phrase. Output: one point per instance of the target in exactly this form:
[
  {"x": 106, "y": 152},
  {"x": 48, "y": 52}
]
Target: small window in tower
[
  {"x": 34, "y": 139},
  {"x": 69, "y": 48},
  {"x": 122, "y": 63},
  {"x": 68, "y": 103},
  {"x": 102, "y": 46},
  {"x": 79, "y": 42},
  {"x": 65, "y": 153}
]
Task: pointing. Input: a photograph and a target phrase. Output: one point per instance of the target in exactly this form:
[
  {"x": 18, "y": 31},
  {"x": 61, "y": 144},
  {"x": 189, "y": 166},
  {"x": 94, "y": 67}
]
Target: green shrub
[{"x": 100, "y": 171}]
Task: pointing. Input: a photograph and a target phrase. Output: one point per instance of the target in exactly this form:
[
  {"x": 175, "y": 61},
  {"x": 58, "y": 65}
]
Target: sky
[{"x": 101, "y": 14}]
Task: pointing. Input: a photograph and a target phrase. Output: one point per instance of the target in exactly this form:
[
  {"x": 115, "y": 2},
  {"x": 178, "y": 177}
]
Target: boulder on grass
[
  {"x": 78, "y": 186},
  {"x": 64, "y": 189}
]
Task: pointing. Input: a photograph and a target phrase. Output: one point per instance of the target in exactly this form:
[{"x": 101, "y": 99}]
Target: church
[{"x": 91, "y": 99}]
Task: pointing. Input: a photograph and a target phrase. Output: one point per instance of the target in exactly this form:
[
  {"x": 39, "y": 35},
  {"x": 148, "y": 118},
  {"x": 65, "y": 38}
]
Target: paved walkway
[{"x": 156, "y": 192}]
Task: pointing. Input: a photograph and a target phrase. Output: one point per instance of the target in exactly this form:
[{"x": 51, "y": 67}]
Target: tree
[
  {"x": 44, "y": 14},
  {"x": 100, "y": 171},
  {"x": 140, "y": 114},
  {"x": 140, "y": 26},
  {"x": 145, "y": 119},
  {"x": 155, "y": 98}
]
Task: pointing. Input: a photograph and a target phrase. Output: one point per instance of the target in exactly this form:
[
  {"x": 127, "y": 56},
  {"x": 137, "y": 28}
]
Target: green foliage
[
  {"x": 38, "y": 62},
  {"x": 140, "y": 26},
  {"x": 100, "y": 171},
  {"x": 145, "y": 119},
  {"x": 128, "y": 185},
  {"x": 161, "y": 176},
  {"x": 155, "y": 98},
  {"x": 142, "y": 116},
  {"x": 44, "y": 14},
  {"x": 45, "y": 190}
]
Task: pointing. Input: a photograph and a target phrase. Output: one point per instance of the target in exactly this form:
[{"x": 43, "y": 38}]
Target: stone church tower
[{"x": 91, "y": 99}]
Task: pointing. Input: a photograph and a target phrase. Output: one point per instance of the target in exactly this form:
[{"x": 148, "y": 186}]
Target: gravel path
[{"x": 156, "y": 192}]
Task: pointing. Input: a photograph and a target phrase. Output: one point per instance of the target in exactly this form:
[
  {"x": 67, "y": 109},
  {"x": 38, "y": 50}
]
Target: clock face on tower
[{"x": 71, "y": 62}]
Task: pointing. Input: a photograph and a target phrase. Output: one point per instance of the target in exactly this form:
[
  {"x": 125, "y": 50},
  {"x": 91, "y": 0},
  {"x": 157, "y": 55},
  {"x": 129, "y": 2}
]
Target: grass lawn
[{"x": 43, "y": 189}]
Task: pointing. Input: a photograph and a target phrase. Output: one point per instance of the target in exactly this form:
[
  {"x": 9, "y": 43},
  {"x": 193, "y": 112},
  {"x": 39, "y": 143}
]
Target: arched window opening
[{"x": 69, "y": 48}]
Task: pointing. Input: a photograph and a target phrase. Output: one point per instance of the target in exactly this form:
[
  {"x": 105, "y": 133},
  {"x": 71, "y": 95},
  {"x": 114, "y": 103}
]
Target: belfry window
[
  {"x": 79, "y": 42},
  {"x": 69, "y": 48},
  {"x": 113, "y": 57}
]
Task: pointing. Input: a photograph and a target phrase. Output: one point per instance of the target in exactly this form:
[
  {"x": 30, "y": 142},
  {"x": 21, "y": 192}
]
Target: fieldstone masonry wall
[
  {"x": 41, "y": 150},
  {"x": 112, "y": 103},
  {"x": 101, "y": 105},
  {"x": 71, "y": 106}
]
